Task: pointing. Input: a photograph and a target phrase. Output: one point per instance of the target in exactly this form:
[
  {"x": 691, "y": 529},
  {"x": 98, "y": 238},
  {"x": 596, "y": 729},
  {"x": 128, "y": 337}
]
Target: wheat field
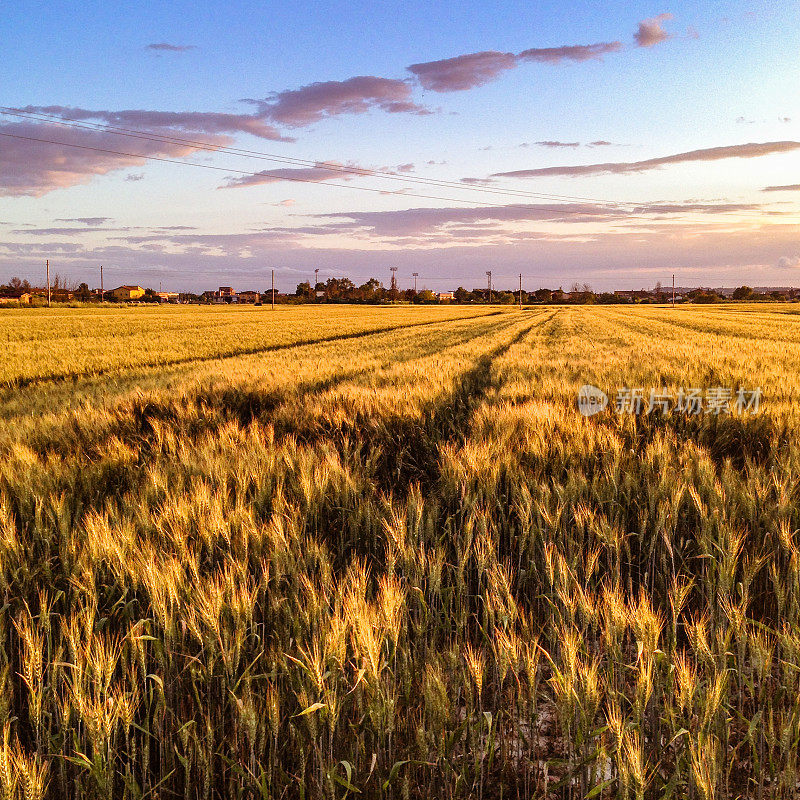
[{"x": 324, "y": 552}]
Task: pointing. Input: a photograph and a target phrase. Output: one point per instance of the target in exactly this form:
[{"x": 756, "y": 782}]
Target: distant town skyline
[{"x": 193, "y": 145}]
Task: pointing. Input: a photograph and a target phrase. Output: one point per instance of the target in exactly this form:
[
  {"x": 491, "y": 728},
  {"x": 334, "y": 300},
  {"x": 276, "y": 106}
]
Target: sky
[{"x": 192, "y": 145}]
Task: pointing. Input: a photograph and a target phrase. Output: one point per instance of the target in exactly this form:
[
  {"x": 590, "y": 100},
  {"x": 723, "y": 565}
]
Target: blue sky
[{"x": 677, "y": 117}]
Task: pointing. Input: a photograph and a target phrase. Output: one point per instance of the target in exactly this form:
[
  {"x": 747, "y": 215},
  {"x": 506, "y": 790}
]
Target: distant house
[
  {"x": 127, "y": 293},
  {"x": 445, "y": 296},
  {"x": 633, "y": 294},
  {"x": 25, "y": 298},
  {"x": 167, "y": 297},
  {"x": 61, "y": 295},
  {"x": 249, "y": 296},
  {"x": 225, "y": 294}
]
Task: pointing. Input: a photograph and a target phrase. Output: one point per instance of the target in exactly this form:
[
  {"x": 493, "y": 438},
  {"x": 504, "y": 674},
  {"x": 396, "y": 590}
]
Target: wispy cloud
[
  {"x": 462, "y": 72},
  {"x": 63, "y": 231},
  {"x": 470, "y": 70},
  {"x": 166, "y": 47},
  {"x": 320, "y": 172},
  {"x": 557, "y": 144},
  {"x": 205, "y": 122},
  {"x": 790, "y": 187},
  {"x": 89, "y": 221},
  {"x": 750, "y": 150},
  {"x": 309, "y": 104},
  {"x": 572, "y": 52},
  {"x": 418, "y": 221},
  {"x": 651, "y": 31}
]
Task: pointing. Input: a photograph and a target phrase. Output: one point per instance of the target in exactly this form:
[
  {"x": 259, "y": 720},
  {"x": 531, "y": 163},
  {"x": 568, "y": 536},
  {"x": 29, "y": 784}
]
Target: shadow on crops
[{"x": 740, "y": 440}]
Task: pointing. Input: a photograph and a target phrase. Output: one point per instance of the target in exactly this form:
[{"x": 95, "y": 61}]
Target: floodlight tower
[
  {"x": 489, "y": 276},
  {"x": 416, "y": 275},
  {"x": 394, "y": 280}
]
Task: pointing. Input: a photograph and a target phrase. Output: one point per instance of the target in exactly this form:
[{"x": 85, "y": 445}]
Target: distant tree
[
  {"x": 339, "y": 289},
  {"x": 742, "y": 293},
  {"x": 462, "y": 295},
  {"x": 581, "y": 293},
  {"x": 304, "y": 290},
  {"x": 425, "y": 296},
  {"x": 706, "y": 297},
  {"x": 543, "y": 295},
  {"x": 369, "y": 292},
  {"x": 83, "y": 291}
]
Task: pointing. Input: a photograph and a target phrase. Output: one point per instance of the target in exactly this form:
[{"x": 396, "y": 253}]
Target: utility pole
[
  {"x": 316, "y": 281},
  {"x": 394, "y": 282},
  {"x": 416, "y": 275},
  {"x": 47, "y": 266},
  {"x": 520, "y": 291},
  {"x": 673, "y": 290},
  {"x": 273, "y": 289},
  {"x": 489, "y": 276},
  {"x": 102, "y": 293}
]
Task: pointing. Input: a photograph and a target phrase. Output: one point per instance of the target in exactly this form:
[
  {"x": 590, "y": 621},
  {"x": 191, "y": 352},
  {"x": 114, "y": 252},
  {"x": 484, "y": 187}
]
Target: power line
[
  {"x": 348, "y": 170},
  {"x": 294, "y": 179},
  {"x": 96, "y": 127}
]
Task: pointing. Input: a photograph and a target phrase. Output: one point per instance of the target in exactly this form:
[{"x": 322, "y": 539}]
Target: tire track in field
[
  {"x": 18, "y": 383},
  {"x": 408, "y": 450}
]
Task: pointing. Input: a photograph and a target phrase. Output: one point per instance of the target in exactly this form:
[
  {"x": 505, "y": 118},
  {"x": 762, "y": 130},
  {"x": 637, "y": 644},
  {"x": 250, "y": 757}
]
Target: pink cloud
[
  {"x": 651, "y": 31},
  {"x": 163, "y": 122},
  {"x": 31, "y": 167},
  {"x": 751, "y": 150},
  {"x": 462, "y": 72},
  {"x": 166, "y": 47},
  {"x": 551, "y": 143},
  {"x": 572, "y": 52},
  {"x": 320, "y": 172},
  {"x": 316, "y": 101},
  {"x": 415, "y": 221},
  {"x": 476, "y": 69},
  {"x": 427, "y": 221}
]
